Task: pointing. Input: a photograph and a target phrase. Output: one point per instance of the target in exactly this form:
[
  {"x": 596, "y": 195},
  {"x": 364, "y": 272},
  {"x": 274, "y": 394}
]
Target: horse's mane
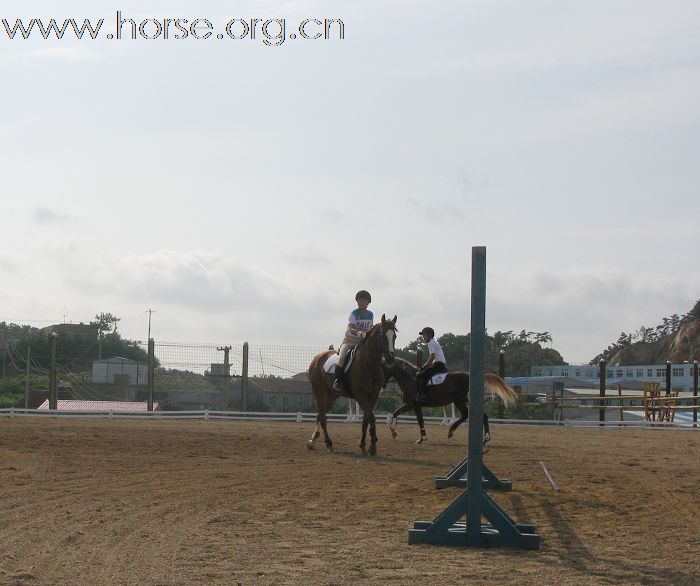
[
  {"x": 370, "y": 334},
  {"x": 405, "y": 365},
  {"x": 375, "y": 331}
]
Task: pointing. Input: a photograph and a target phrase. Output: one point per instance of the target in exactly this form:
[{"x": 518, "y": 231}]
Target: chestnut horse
[
  {"x": 454, "y": 389},
  {"x": 365, "y": 378}
]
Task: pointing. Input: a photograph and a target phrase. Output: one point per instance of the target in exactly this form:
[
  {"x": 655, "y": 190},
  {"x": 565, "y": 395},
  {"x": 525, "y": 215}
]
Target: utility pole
[
  {"x": 227, "y": 373},
  {"x": 26, "y": 384},
  {"x": 149, "y": 311},
  {"x": 53, "y": 395},
  {"x": 502, "y": 374}
]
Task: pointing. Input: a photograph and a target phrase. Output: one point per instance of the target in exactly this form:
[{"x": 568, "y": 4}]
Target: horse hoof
[
  {"x": 449, "y": 435},
  {"x": 373, "y": 450},
  {"x": 310, "y": 444},
  {"x": 487, "y": 437},
  {"x": 394, "y": 435},
  {"x": 422, "y": 439},
  {"x": 330, "y": 449}
]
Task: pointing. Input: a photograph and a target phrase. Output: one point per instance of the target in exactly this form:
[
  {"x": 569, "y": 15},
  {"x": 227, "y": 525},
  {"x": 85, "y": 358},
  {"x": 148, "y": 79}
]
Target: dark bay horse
[
  {"x": 365, "y": 377},
  {"x": 455, "y": 390}
]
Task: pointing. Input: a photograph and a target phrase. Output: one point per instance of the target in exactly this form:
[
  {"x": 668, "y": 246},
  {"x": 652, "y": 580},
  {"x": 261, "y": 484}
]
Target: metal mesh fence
[
  {"x": 251, "y": 378},
  {"x": 263, "y": 360},
  {"x": 235, "y": 376}
]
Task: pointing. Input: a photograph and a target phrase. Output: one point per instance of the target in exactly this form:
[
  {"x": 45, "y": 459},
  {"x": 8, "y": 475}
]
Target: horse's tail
[{"x": 496, "y": 384}]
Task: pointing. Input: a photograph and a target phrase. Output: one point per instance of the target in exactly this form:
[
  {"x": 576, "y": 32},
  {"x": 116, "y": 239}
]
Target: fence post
[
  {"x": 502, "y": 374},
  {"x": 668, "y": 377},
  {"x": 151, "y": 371},
  {"x": 227, "y": 375},
  {"x": 601, "y": 410},
  {"x": 619, "y": 400},
  {"x": 53, "y": 398},
  {"x": 695, "y": 393},
  {"x": 244, "y": 379}
]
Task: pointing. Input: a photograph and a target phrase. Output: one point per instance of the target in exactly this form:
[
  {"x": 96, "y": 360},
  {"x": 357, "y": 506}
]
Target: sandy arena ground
[{"x": 214, "y": 502}]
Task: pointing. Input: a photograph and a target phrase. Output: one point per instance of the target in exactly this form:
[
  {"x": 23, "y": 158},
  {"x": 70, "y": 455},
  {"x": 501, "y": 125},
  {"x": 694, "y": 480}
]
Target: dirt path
[{"x": 205, "y": 502}]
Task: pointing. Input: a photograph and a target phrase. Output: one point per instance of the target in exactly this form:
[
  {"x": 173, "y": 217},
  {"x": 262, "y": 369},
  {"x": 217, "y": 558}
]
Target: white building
[
  {"x": 120, "y": 371},
  {"x": 681, "y": 374}
]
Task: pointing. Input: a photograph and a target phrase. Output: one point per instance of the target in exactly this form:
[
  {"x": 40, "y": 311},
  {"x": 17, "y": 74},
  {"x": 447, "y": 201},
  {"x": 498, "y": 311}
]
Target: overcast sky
[{"x": 245, "y": 192}]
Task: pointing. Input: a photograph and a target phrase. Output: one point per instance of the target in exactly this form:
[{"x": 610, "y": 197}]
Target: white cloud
[
  {"x": 307, "y": 256},
  {"x": 47, "y": 215},
  {"x": 586, "y": 307},
  {"x": 196, "y": 280},
  {"x": 251, "y": 201},
  {"x": 8, "y": 264}
]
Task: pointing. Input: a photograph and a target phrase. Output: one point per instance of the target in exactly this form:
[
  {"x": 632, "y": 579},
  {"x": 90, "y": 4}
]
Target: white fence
[{"x": 332, "y": 417}]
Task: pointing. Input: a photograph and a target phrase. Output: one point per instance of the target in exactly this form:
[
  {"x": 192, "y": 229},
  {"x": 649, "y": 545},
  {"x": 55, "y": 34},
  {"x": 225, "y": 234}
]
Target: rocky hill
[{"x": 680, "y": 346}]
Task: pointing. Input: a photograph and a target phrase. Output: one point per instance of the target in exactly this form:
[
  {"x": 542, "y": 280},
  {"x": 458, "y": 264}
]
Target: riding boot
[
  {"x": 421, "y": 391},
  {"x": 339, "y": 375}
]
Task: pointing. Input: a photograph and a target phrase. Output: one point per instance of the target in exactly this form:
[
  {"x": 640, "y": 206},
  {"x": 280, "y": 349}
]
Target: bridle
[{"x": 387, "y": 349}]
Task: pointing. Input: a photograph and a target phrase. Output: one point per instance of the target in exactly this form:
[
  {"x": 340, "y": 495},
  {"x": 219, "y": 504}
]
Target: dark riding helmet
[
  {"x": 429, "y": 331},
  {"x": 363, "y": 295}
]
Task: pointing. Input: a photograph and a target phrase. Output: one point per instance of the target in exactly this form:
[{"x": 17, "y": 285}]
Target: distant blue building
[{"x": 681, "y": 374}]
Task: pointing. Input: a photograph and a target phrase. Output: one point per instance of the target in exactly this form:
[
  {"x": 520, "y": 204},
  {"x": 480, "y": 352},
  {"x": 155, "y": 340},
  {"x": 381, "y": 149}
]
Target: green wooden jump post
[{"x": 446, "y": 528}]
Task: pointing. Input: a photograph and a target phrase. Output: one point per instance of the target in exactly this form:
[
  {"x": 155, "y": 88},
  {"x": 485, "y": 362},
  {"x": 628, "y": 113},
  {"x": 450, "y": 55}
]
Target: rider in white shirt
[{"x": 436, "y": 363}]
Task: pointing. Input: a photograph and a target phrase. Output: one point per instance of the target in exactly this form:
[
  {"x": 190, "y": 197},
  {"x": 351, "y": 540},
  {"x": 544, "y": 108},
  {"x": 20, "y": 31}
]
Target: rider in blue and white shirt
[{"x": 360, "y": 322}]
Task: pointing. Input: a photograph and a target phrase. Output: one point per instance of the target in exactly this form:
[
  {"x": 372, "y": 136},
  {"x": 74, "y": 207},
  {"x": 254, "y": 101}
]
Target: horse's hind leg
[
  {"x": 463, "y": 414},
  {"x": 321, "y": 421},
  {"x": 487, "y": 432},
  {"x": 395, "y": 418},
  {"x": 327, "y": 439}
]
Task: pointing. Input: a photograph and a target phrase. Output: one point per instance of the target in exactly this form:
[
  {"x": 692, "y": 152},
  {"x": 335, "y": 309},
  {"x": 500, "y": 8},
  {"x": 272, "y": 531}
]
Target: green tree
[
  {"x": 694, "y": 313},
  {"x": 106, "y": 323},
  {"x": 522, "y": 352}
]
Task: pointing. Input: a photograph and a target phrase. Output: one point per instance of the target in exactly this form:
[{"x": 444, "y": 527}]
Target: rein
[{"x": 371, "y": 347}]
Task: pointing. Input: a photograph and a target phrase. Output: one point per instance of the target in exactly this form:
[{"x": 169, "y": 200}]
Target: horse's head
[{"x": 388, "y": 337}]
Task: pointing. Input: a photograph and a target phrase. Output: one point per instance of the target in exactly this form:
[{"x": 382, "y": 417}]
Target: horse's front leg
[
  {"x": 368, "y": 420},
  {"x": 363, "y": 439},
  {"x": 395, "y": 418},
  {"x": 372, "y": 434},
  {"x": 314, "y": 435},
  {"x": 487, "y": 432},
  {"x": 421, "y": 424}
]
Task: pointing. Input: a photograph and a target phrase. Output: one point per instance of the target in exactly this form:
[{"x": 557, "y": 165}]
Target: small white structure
[
  {"x": 94, "y": 406},
  {"x": 119, "y": 371},
  {"x": 681, "y": 374}
]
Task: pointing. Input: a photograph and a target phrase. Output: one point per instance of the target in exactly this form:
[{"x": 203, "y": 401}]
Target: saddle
[
  {"x": 329, "y": 365},
  {"x": 437, "y": 379}
]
